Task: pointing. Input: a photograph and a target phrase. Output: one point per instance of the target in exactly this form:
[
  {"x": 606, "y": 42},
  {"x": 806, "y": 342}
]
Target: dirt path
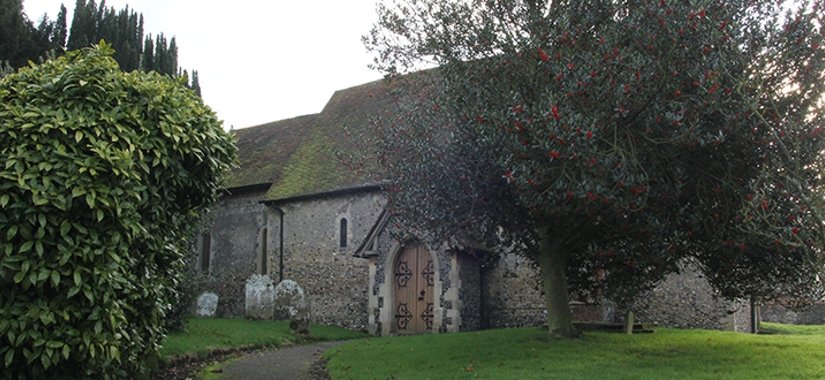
[{"x": 290, "y": 363}]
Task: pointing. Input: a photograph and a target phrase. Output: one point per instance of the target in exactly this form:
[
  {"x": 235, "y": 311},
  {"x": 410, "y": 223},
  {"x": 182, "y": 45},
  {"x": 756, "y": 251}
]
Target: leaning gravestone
[
  {"x": 207, "y": 304},
  {"x": 291, "y": 304},
  {"x": 260, "y": 297}
]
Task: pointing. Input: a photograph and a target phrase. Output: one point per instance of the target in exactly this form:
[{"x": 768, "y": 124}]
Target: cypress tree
[
  {"x": 83, "y": 29},
  {"x": 147, "y": 62},
  {"x": 21, "y": 40},
  {"x": 172, "y": 58},
  {"x": 36, "y": 42},
  {"x": 59, "y": 32},
  {"x": 195, "y": 86},
  {"x": 11, "y": 28},
  {"x": 160, "y": 54}
]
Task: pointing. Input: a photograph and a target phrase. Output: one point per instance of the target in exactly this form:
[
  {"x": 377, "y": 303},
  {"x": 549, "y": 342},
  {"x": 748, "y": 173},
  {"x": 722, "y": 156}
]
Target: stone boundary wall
[
  {"x": 687, "y": 300},
  {"x": 512, "y": 293},
  {"x": 513, "y": 298},
  {"x": 813, "y": 315}
]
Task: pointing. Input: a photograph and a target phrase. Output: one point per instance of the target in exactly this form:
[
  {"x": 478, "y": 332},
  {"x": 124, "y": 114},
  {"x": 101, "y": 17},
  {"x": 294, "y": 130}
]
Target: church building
[{"x": 293, "y": 210}]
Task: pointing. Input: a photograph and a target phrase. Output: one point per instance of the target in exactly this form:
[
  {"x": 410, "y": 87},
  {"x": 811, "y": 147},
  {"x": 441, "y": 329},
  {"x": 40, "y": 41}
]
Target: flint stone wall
[
  {"x": 470, "y": 293},
  {"x": 336, "y": 282},
  {"x": 512, "y": 293},
  {"x": 513, "y": 297},
  {"x": 687, "y": 300},
  {"x": 235, "y": 224},
  {"x": 813, "y": 315},
  {"x": 346, "y": 291}
]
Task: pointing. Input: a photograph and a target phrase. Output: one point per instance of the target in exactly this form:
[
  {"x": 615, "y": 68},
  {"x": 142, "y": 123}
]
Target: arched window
[{"x": 342, "y": 234}]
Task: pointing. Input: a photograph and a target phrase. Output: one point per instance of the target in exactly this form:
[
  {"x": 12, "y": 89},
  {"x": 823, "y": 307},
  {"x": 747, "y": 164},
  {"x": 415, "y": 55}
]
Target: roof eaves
[{"x": 326, "y": 194}]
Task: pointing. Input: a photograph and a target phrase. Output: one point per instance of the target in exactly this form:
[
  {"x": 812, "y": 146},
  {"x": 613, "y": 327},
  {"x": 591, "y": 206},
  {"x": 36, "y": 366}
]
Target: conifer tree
[
  {"x": 21, "y": 40},
  {"x": 84, "y": 28},
  {"x": 60, "y": 31},
  {"x": 11, "y": 26},
  {"x": 147, "y": 62},
  {"x": 172, "y": 58},
  {"x": 195, "y": 86}
]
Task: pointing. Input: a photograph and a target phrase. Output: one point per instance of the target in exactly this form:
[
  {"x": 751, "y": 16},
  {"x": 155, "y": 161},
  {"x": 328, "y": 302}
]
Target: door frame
[{"x": 388, "y": 325}]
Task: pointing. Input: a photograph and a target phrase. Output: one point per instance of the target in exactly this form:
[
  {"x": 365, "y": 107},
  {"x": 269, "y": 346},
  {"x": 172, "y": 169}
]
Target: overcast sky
[{"x": 258, "y": 60}]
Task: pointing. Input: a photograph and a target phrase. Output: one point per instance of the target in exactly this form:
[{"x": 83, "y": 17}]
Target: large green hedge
[{"x": 104, "y": 175}]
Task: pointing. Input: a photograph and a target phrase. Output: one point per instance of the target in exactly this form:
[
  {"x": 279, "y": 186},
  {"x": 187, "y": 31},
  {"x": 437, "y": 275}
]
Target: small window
[
  {"x": 342, "y": 234},
  {"x": 206, "y": 250}
]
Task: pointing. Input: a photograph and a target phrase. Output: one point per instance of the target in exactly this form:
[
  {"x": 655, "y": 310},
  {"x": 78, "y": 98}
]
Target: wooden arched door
[{"x": 414, "y": 282}]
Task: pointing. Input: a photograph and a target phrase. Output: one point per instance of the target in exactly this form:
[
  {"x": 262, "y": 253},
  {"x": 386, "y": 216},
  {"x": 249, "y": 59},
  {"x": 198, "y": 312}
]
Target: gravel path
[{"x": 289, "y": 363}]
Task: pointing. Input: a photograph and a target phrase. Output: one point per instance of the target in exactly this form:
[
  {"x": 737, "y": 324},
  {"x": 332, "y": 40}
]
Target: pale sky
[{"x": 258, "y": 60}]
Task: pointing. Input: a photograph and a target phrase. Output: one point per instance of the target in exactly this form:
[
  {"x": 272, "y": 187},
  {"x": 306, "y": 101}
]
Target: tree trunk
[{"x": 551, "y": 260}]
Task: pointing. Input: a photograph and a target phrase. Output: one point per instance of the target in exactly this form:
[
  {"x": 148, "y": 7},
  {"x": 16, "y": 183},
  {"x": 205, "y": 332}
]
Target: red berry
[{"x": 543, "y": 56}]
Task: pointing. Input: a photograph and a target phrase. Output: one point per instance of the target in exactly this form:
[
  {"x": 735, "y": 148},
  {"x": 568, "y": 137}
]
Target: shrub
[{"x": 103, "y": 177}]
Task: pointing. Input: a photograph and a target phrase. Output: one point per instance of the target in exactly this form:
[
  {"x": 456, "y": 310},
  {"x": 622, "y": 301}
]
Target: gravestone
[
  {"x": 207, "y": 304},
  {"x": 291, "y": 304},
  {"x": 260, "y": 297}
]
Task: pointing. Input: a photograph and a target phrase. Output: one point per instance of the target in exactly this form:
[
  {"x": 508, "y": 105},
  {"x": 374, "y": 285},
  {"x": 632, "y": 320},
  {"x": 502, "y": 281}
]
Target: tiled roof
[
  {"x": 263, "y": 150},
  {"x": 300, "y": 156}
]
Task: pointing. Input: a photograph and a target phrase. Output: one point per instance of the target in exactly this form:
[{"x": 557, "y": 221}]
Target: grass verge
[
  {"x": 529, "y": 353},
  {"x": 203, "y": 336},
  {"x": 778, "y": 328}
]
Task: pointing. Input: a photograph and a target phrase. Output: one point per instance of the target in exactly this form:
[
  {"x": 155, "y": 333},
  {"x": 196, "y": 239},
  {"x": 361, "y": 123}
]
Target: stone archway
[{"x": 413, "y": 284}]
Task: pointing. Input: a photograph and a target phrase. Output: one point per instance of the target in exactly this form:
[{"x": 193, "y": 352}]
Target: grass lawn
[
  {"x": 778, "y": 328},
  {"x": 203, "y": 335},
  {"x": 529, "y": 353}
]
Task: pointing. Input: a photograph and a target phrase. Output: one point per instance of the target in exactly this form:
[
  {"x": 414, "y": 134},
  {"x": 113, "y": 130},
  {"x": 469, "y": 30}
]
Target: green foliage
[
  {"x": 104, "y": 176},
  {"x": 207, "y": 334},
  {"x": 189, "y": 284},
  {"x": 618, "y": 137},
  {"x": 529, "y": 354}
]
